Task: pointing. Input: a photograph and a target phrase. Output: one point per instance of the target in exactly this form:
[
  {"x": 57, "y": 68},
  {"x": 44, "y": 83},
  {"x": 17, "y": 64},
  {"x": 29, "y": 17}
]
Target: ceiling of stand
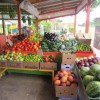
[
  {"x": 58, "y": 8},
  {"x": 54, "y": 8},
  {"x": 48, "y": 6}
]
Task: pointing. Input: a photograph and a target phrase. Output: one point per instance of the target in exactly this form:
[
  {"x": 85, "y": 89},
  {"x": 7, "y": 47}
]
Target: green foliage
[
  {"x": 95, "y": 4},
  {"x": 47, "y": 25},
  {"x": 71, "y": 30},
  {"x": 33, "y": 25}
]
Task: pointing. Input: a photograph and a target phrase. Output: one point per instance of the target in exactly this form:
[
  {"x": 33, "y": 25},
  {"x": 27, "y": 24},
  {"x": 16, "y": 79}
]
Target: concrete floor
[{"x": 26, "y": 87}]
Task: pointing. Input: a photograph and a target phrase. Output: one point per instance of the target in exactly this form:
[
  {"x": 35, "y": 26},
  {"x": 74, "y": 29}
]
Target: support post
[
  {"x": 75, "y": 25},
  {"x": 19, "y": 19},
  {"x": 88, "y": 17},
  {"x": 3, "y": 24},
  {"x": 37, "y": 22}
]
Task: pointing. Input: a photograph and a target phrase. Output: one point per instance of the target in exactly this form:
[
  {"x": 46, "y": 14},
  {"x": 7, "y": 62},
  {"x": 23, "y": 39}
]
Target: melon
[
  {"x": 84, "y": 71},
  {"x": 95, "y": 70},
  {"x": 93, "y": 89},
  {"x": 87, "y": 79}
]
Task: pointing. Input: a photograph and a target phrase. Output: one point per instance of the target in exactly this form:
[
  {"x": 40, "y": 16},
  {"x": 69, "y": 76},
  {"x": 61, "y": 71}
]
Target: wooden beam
[
  {"x": 37, "y": 1},
  {"x": 57, "y": 17},
  {"x": 56, "y": 4},
  {"x": 57, "y": 8},
  {"x": 15, "y": 1},
  {"x": 75, "y": 23},
  {"x": 3, "y": 24},
  {"x": 19, "y": 19},
  {"x": 37, "y": 22},
  {"x": 88, "y": 17},
  {"x": 54, "y": 11}
]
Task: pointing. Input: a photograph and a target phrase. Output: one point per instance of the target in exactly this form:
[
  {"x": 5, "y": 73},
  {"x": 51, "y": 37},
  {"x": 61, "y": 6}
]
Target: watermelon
[
  {"x": 87, "y": 79},
  {"x": 93, "y": 89},
  {"x": 95, "y": 71},
  {"x": 84, "y": 71}
]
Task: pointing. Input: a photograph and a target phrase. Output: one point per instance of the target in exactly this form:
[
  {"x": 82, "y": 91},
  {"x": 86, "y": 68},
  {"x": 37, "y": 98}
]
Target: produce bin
[
  {"x": 51, "y": 53},
  {"x": 68, "y": 58},
  {"x": 82, "y": 92},
  {"x": 31, "y": 65},
  {"x": 66, "y": 91},
  {"x": 3, "y": 63},
  {"x": 85, "y": 53},
  {"x": 25, "y": 52},
  {"x": 48, "y": 65},
  {"x": 84, "y": 38},
  {"x": 14, "y": 64}
]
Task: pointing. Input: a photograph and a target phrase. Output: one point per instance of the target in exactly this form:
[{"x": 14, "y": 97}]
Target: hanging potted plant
[
  {"x": 12, "y": 12},
  {"x": 29, "y": 20},
  {"x": 24, "y": 19}
]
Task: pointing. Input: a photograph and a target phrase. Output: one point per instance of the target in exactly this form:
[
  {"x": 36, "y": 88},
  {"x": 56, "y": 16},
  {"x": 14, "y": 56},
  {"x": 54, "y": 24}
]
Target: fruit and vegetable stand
[{"x": 71, "y": 62}]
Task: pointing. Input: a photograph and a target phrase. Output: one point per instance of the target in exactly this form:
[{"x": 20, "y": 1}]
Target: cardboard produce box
[
  {"x": 3, "y": 63},
  {"x": 66, "y": 91},
  {"x": 84, "y": 38},
  {"x": 33, "y": 65},
  {"x": 48, "y": 65},
  {"x": 68, "y": 58},
  {"x": 14, "y": 64}
]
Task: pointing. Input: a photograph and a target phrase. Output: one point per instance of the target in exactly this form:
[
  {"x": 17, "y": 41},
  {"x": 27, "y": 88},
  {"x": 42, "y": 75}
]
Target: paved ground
[{"x": 26, "y": 87}]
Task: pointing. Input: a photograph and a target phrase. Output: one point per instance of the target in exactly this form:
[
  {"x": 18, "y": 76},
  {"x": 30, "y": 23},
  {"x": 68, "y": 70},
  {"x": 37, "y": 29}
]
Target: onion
[
  {"x": 91, "y": 63},
  {"x": 87, "y": 64}
]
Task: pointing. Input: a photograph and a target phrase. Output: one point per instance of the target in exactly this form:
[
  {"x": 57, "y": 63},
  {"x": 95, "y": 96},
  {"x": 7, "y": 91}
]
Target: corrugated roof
[
  {"x": 55, "y": 8},
  {"x": 47, "y": 6}
]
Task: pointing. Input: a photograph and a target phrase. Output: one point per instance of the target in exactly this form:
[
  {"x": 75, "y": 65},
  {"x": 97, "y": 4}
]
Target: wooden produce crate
[
  {"x": 68, "y": 58},
  {"x": 84, "y": 38},
  {"x": 66, "y": 91},
  {"x": 3, "y": 63},
  {"x": 48, "y": 65},
  {"x": 14, "y": 64},
  {"x": 31, "y": 65}
]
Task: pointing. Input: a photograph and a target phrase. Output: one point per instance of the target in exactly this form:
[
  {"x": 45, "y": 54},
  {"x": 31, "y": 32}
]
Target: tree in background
[
  {"x": 71, "y": 29},
  {"x": 95, "y": 4},
  {"x": 47, "y": 25}
]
